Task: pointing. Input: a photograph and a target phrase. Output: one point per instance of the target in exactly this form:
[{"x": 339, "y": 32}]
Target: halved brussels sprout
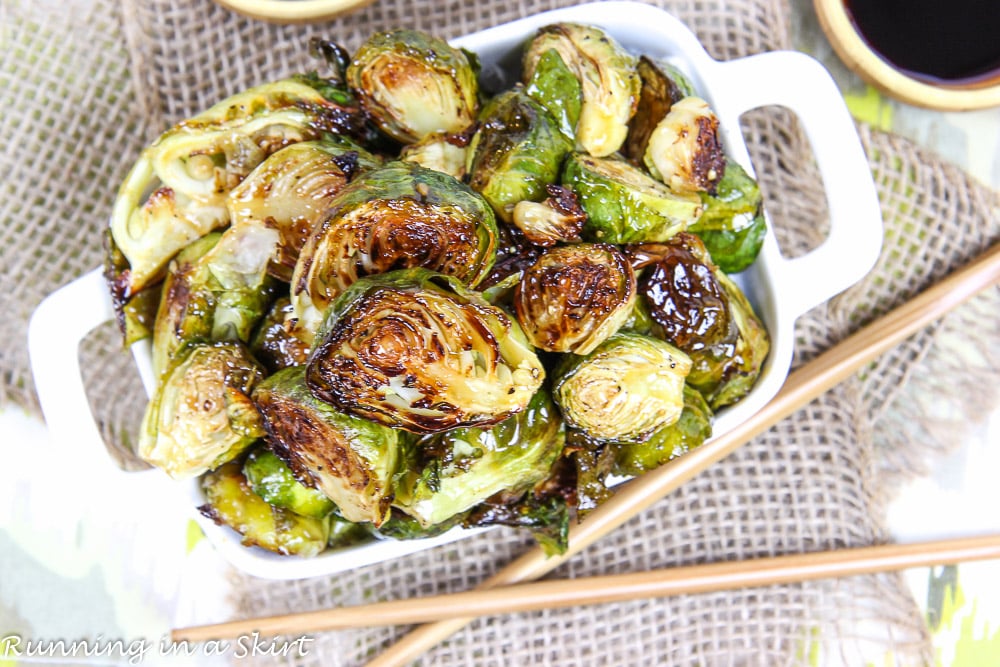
[
  {"x": 607, "y": 76},
  {"x": 460, "y": 468},
  {"x": 692, "y": 429},
  {"x": 344, "y": 533},
  {"x": 273, "y": 481},
  {"x": 398, "y": 216},
  {"x": 216, "y": 290},
  {"x": 557, "y": 89},
  {"x": 623, "y": 204},
  {"x": 515, "y": 153},
  {"x": 441, "y": 152},
  {"x": 628, "y": 387},
  {"x": 350, "y": 460},
  {"x": 412, "y": 85},
  {"x": 662, "y": 86},
  {"x": 574, "y": 297},
  {"x": 275, "y": 344},
  {"x": 684, "y": 150},
  {"x": 418, "y": 350},
  {"x": 558, "y": 219},
  {"x": 704, "y": 313},
  {"x": 232, "y": 502},
  {"x": 201, "y": 416},
  {"x": 291, "y": 190},
  {"x": 192, "y": 167}
]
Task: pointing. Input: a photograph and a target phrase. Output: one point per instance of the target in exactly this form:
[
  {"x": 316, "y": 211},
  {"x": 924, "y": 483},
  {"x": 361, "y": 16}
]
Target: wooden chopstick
[
  {"x": 803, "y": 385},
  {"x": 620, "y": 587}
]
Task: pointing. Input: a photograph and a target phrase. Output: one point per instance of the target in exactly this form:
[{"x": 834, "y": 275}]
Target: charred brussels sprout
[
  {"x": 192, "y": 167},
  {"x": 418, "y": 350},
  {"x": 395, "y": 217},
  {"x": 273, "y": 481},
  {"x": 402, "y": 526},
  {"x": 515, "y": 153},
  {"x": 559, "y": 218},
  {"x": 440, "y": 152},
  {"x": 232, "y": 502},
  {"x": 628, "y": 387},
  {"x": 462, "y": 467},
  {"x": 207, "y": 296},
  {"x": 662, "y": 87},
  {"x": 684, "y": 150},
  {"x": 352, "y": 461},
  {"x": 623, "y": 204},
  {"x": 574, "y": 297},
  {"x": 134, "y": 313},
  {"x": 413, "y": 85},
  {"x": 732, "y": 225},
  {"x": 606, "y": 75},
  {"x": 201, "y": 415},
  {"x": 692, "y": 429},
  {"x": 705, "y": 314},
  {"x": 290, "y": 190}
]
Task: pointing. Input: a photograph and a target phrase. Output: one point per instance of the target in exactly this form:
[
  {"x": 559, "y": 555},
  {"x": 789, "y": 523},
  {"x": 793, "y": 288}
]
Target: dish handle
[
  {"x": 802, "y": 85},
  {"x": 55, "y": 331}
]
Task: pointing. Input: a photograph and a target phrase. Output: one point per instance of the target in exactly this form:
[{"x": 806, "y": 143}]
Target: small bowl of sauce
[{"x": 938, "y": 54}]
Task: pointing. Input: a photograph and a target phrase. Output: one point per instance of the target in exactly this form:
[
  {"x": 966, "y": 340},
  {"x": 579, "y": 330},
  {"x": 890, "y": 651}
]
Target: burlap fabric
[{"x": 84, "y": 84}]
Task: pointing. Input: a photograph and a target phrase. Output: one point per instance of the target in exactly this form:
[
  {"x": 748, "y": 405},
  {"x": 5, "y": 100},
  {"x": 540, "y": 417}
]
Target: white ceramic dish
[{"x": 780, "y": 289}]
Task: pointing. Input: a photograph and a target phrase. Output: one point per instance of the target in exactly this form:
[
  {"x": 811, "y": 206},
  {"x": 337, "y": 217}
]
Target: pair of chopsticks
[{"x": 498, "y": 594}]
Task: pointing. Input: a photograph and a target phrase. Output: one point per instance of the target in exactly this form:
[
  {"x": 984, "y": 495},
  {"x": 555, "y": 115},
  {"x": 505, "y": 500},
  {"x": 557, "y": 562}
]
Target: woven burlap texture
[{"x": 87, "y": 83}]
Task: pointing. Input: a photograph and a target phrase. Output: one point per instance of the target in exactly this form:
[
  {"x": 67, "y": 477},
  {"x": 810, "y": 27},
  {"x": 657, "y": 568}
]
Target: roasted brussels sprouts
[
  {"x": 623, "y": 204},
  {"x": 402, "y": 526},
  {"x": 662, "y": 86},
  {"x": 291, "y": 189},
  {"x": 607, "y": 78},
  {"x": 460, "y": 468},
  {"x": 732, "y": 225},
  {"x": 574, "y": 297},
  {"x": 515, "y": 153},
  {"x": 546, "y": 516},
  {"x": 418, "y": 350},
  {"x": 232, "y": 502},
  {"x": 692, "y": 429},
  {"x": 350, "y": 460},
  {"x": 201, "y": 416},
  {"x": 441, "y": 152},
  {"x": 412, "y": 85},
  {"x": 628, "y": 387},
  {"x": 398, "y": 216},
  {"x": 684, "y": 150},
  {"x": 135, "y": 314},
  {"x": 192, "y": 167},
  {"x": 215, "y": 290},
  {"x": 557, "y": 89},
  {"x": 275, "y": 344},
  {"x": 705, "y": 314},
  {"x": 273, "y": 481},
  {"x": 344, "y": 533},
  {"x": 558, "y": 219}
]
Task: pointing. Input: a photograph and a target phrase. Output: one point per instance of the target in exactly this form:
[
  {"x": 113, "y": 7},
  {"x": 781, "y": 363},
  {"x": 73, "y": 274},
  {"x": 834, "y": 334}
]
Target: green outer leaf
[
  {"x": 512, "y": 456},
  {"x": 735, "y": 204},
  {"x": 623, "y": 204},
  {"x": 273, "y": 481},
  {"x": 735, "y": 251},
  {"x": 692, "y": 429},
  {"x": 515, "y": 153},
  {"x": 557, "y": 89}
]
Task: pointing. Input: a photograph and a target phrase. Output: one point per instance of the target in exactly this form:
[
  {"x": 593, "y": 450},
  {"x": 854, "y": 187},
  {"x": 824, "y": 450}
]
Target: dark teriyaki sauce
[{"x": 952, "y": 42}]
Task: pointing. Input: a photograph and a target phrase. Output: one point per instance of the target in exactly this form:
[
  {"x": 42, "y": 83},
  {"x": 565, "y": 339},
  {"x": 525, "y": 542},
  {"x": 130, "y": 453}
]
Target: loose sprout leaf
[
  {"x": 273, "y": 480},
  {"x": 558, "y": 90}
]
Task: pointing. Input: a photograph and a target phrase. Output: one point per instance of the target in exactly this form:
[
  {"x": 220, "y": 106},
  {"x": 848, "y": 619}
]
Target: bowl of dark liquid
[{"x": 939, "y": 54}]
